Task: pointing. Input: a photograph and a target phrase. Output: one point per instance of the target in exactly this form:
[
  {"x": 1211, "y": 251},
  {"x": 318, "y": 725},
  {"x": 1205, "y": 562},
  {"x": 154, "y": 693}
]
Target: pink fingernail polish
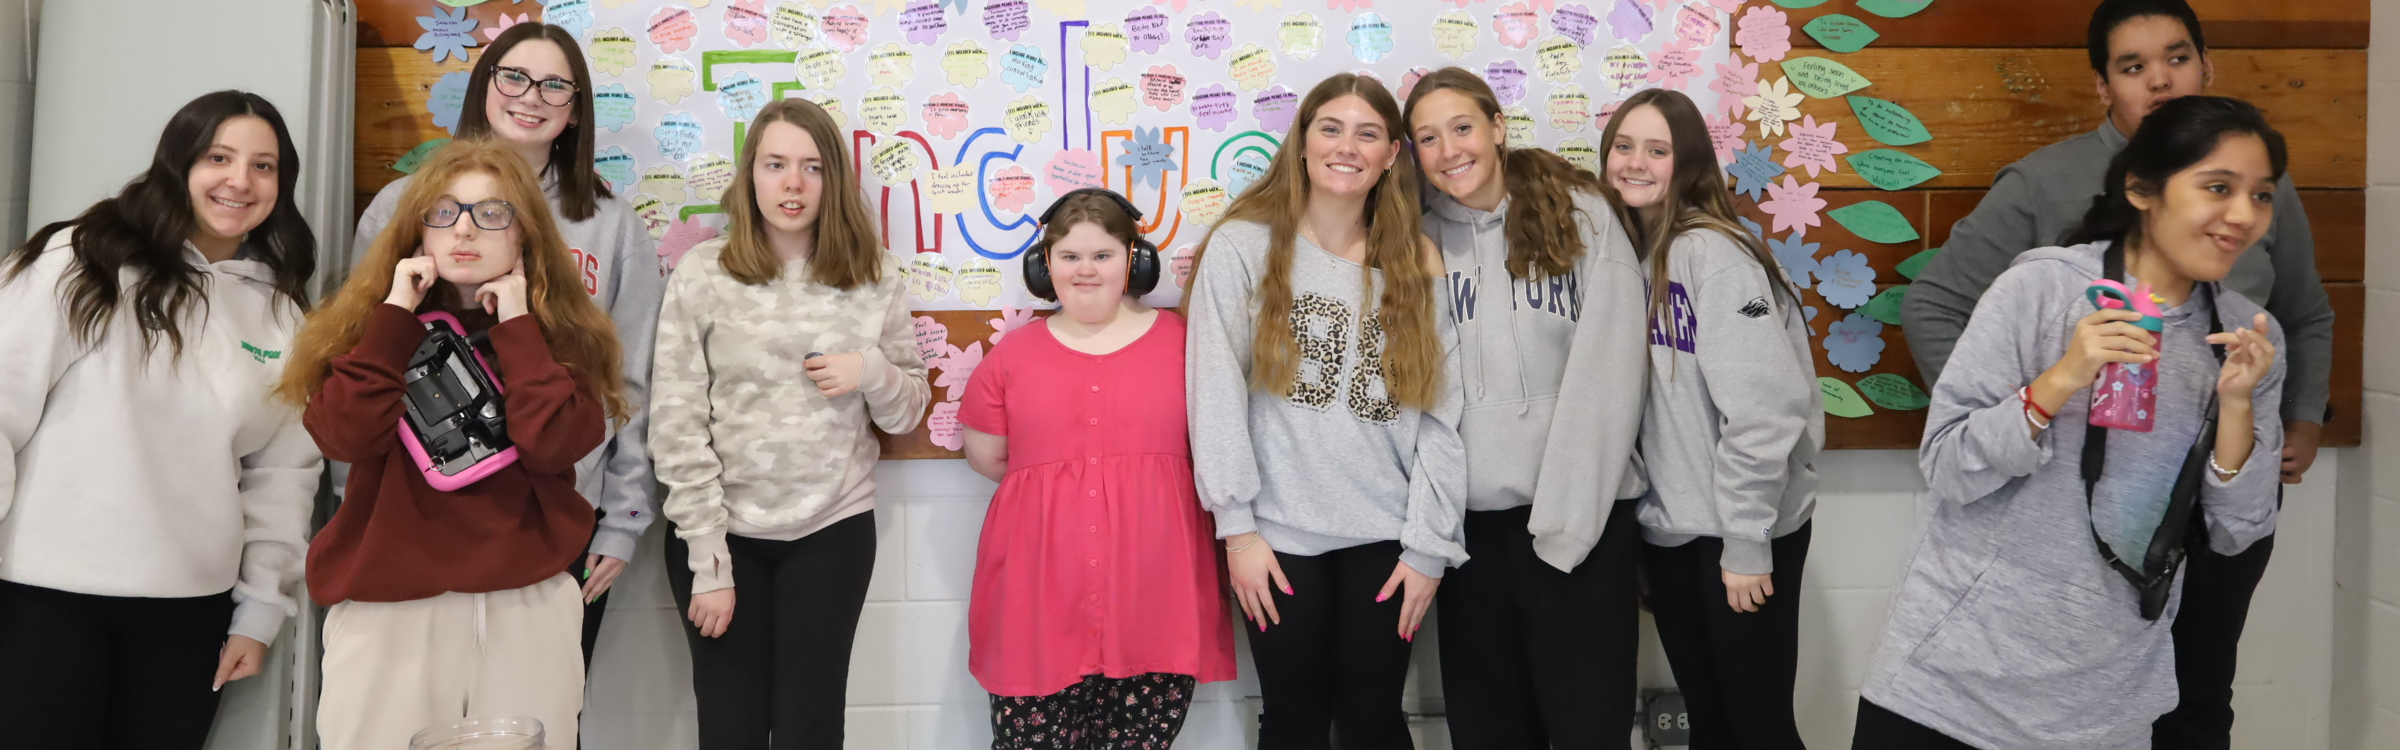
[{"x": 1381, "y": 597}]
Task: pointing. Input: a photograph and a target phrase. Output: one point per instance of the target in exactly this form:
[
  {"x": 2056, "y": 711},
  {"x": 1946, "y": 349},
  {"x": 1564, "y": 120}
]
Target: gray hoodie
[
  {"x": 2042, "y": 196},
  {"x": 1553, "y": 395},
  {"x": 1340, "y": 463},
  {"x": 1734, "y": 418},
  {"x": 620, "y": 268},
  {"x": 2009, "y": 629}
]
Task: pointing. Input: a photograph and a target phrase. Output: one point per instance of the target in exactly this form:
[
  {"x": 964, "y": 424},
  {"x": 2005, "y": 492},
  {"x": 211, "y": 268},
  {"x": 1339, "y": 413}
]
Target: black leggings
[
  {"x": 86, "y": 672},
  {"x": 1880, "y": 729},
  {"x": 783, "y": 665},
  {"x": 1735, "y": 669},
  {"x": 2208, "y": 634},
  {"x": 1142, "y": 712},
  {"x": 1535, "y": 658},
  {"x": 1337, "y": 662}
]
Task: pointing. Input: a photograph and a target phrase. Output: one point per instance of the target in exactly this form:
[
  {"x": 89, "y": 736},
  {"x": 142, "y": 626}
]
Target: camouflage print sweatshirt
[{"x": 740, "y": 435}]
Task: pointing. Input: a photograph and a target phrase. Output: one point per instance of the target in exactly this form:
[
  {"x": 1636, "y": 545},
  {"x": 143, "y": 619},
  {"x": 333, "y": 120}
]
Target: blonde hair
[
  {"x": 581, "y": 337},
  {"x": 1412, "y": 353},
  {"x": 847, "y": 252}
]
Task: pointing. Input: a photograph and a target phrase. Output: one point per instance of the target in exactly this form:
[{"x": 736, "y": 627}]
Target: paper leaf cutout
[
  {"x": 1841, "y": 33},
  {"x": 1796, "y": 4},
  {"x": 1893, "y": 392},
  {"x": 1798, "y": 259},
  {"x": 415, "y": 157},
  {"x": 1840, "y": 399},
  {"x": 1874, "y": 221},
  {"x": 1753, "y": 169},
  {"x": 1794, "y": 205},
  {"x": 1888, "y": 123},
  {"x": 1854, "y": 343},
  {"x": 1893, "y": 8},
  {"x": 1823, "y": 78},
  {"x": 1891, "y": 170},
  {"x": 1916, "y": 263},
  {"x": 1845, "y": 279},
  {"x": 1886, "y": 305}
]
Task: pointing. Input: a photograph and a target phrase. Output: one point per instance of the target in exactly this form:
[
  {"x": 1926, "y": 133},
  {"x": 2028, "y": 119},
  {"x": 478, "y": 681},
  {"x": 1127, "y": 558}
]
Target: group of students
[{"x": 1382, "y": 385}]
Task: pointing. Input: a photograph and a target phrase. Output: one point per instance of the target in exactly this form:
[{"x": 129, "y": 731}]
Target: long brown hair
[
  {"x": 847, "y": 253},
  {"x": 1412, "y": 354},
  {"x": 580, "y": 335},
  {"x": 580, "y": 189},
  {"x": 144, "y": 227},
  {"x": 1541, "y": 230},
  {"x": 1696, "y": 196}
]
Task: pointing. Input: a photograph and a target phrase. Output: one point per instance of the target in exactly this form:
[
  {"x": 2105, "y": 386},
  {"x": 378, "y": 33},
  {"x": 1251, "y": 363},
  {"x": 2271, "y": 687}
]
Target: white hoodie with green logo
[{"x": 155, "y": 475}]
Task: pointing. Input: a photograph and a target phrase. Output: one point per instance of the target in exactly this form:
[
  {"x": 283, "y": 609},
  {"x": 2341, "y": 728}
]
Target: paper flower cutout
[
  {"x": 1010, "y": 319},
  {"x": 1727, "y": 133},
  {"x": 1734, "y": 82},
  {"x": 447, "y": 34},
  {"x": 1753, "y": 169},
  {"x": 1854, "y": 343},
  {"x": 1812, "y": 146},
  {"x": 1846, "y": 280},
  {"x": 1794, "y": 205},
  {"x": 1798, "y": 258},
  {"x": 1150, "y": 156},
  {"x": 1773, "y": 105}
]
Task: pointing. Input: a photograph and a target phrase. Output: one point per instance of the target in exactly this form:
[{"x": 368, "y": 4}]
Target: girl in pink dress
[{"x": 1097, "y": 606}]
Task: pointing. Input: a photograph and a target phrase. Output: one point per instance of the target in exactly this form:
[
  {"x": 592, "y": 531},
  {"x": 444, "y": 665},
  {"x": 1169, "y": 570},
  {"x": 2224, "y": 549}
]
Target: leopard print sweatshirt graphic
[
  {"x": 741, "y": 436},
  {"x": 1340, "y": 462}
]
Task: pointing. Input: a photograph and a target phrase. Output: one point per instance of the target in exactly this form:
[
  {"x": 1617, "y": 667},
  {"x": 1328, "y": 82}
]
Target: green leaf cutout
[
  {"x": 1893, "y": 392},
  {"x": 1841, "y": 400},
  {"x": 1875, "y": 221},
  {"x": 416, "y": 157},
  {"x": 1916, "y": 263},
  {"x": 1889, "y": 123},
  {"x": 1841, "y": 33},
  {"x": 1891, "y": 170},
  {"x": 1885, "y": 306},
  {"x": 1893, "y": 8},
  {"x": 1799, "y": 3},
  {"x": 1823, "y": 78}
]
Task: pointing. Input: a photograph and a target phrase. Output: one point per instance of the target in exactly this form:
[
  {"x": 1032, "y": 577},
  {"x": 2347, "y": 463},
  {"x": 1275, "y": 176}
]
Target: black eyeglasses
[
  {"x": 513, "y": 82},
  {"x": 492, "y": 215}
]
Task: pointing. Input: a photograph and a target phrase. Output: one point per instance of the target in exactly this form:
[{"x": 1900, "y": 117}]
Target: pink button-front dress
[{"x": 1096, "y": 557}]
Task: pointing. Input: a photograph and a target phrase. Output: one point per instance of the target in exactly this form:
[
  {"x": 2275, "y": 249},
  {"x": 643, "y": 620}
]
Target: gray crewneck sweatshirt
[
  {"x": 1340, "y": 463},
  {"x": 620, "y": 269},
  {"x": 1553, "y": 388},
  {"x": 1734, "y": 419},
  {"x": 2009, "y": 630},
  {"x": 2037, "y": 200}
]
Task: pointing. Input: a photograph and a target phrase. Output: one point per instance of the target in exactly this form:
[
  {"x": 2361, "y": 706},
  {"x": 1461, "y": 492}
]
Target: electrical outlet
[{"x": 1664, "y": 722}]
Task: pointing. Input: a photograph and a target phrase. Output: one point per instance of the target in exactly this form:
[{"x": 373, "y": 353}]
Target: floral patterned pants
[{"x": 1142, "y": 712}]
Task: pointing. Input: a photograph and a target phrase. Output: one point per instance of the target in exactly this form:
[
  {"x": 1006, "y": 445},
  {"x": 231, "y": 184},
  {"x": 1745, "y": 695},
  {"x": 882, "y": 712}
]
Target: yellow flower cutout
[{"x": 1774, "y": 105}]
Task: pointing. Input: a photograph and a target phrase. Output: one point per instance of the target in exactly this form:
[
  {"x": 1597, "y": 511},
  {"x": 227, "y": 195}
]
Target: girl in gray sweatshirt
[
  {"x": 1731, "y": 434},
  {"x": 1546, "y": 292},
  {"x": 2011, "y": 630},
  {"x": 1322, "y": 382}
]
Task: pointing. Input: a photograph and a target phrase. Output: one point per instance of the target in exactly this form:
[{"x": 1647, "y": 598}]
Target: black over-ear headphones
[{"x": 1144, "y": 272}]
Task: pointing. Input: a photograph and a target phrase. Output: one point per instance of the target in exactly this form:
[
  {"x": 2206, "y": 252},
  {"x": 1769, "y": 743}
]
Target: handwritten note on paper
[
  {"x": 1823, "y": 78},
  {"x": 978, "y": 282},
  {"x": 1845, "y": 279},
  {"x": 1840, "y": 399},
  {"x": 1841, "y": 33},
  {"x": 1891, "y": 170},
  {"x": 933, "y": 338},
  {"x": 1893, "y": 8},
  {"x": 929, "y": 277},
  {"x": 1812, "y": 146},
  {"x": 1894, "y": 392},
  {"x": 1888, "y": 123},
  {"x": 951, "y": 190},
  {"x": 1886, "y": 305},
  {"x": 1792, "y": 205},
  {"x": 1764, "y": 34},
  {"x": 1875, "y": 221},
  {"x": 1854, "y": 343}
]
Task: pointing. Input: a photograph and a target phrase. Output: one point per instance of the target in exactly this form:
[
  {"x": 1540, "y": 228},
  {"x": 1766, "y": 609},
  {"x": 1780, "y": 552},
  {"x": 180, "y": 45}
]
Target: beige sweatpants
[{"x": 392, "y": 670}]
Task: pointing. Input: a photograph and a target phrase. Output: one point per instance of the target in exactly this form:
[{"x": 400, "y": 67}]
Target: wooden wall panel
[
  {"x": 1989, "y": 107},
  {"x": 2061, "y": 23},
  {"x": 393, "y": 23},
  {"x": 393, "y": 85}
]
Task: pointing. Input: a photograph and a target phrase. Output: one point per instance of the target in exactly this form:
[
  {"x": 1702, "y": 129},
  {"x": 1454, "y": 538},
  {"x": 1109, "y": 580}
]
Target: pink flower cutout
[
  {"x": 943, "y": 428},
  {"x": 1727, "y": 132},
  {"x": 1793, "y": 205},
  {"x": 1766, "y": 33},
  {"x": 1349, "y": 5},
  {"x": 682, "y": 235},
  {"x": 492, "y": 33},
  {"x": 1674, "y": 68},
  {"x": 1012, "y": 189},
  {"x": 746, "y": 22},
  {"x": 1012, "y": 319},
  {"x": 1734, "y": 81},
  {"x": 956, "y": 367},
  {"x": 1812, "y": 146},
  {"x": 1172, "y": 5}
]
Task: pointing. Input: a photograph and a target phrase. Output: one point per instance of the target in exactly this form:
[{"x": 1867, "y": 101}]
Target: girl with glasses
[
  {"x": 531, "y": 92},
  {"x": 453, "y": 603}
]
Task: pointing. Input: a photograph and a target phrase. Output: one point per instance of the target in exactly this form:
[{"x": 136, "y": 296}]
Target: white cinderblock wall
[{"x": 2366, "y": 576}]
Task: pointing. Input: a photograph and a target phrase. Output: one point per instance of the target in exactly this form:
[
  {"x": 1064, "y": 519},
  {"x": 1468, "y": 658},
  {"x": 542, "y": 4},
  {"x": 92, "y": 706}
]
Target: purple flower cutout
[
  {"x": 1845, "y": 279},
  {"x": 1209, "y": 34},
  {"x": 1213, "y": 108},
  {"x": 1630, "y": 20},
  {"x": 1274, "y": 108},
  {"x": 1507, "y": 80},
  {"x": 1854, "y": 343}
]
